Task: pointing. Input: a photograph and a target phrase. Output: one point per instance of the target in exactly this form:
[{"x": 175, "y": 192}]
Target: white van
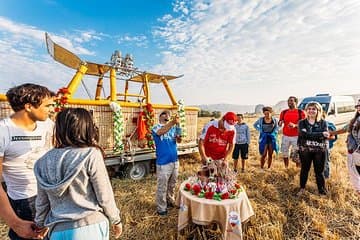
[{"x": 339, "y": 109}]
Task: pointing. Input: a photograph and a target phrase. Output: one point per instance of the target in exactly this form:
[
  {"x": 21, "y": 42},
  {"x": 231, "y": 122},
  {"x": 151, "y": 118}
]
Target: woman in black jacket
[{"x": 312, "y": 142}]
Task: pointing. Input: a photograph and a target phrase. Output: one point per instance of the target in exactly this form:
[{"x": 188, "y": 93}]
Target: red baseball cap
[{"x": 230, "y": 118}]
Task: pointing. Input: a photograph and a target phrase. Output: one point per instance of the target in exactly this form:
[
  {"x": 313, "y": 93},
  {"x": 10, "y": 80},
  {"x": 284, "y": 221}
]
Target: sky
[{"x": 228, "y": 51}]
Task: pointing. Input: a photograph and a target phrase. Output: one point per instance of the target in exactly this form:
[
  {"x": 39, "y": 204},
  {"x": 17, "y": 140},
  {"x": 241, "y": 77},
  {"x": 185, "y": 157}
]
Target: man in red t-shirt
[
  {"x": 217, "y": 138},
  {"x": 290, "y": 118}
]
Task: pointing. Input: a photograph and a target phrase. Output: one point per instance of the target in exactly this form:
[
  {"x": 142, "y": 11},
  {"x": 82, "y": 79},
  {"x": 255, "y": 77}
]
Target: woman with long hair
[
  {"x": 312, "y": 143},
  {"x": 75, "y": 198},
  {"x": 353, "y": 147},
  {"x": 268, "y": 128}
]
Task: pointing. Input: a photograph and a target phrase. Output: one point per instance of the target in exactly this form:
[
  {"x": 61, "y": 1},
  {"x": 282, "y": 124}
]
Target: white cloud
[
  {"x": 24, "y": 58},
  {"x": 180, "y": 6},
  {"x": 139, "y": 41},
  {"x": 18, "y": 34},
  {"x": 252, "y": 52},
  {"x": 17, "y": 68},
  {"x": 87, "y": 36}
]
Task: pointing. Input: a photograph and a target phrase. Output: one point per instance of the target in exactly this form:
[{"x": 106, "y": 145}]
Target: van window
[
  {"x": 325, "y": 106},
  {"x": 332, "y": 109},
  {"x": 302, "y": 106},
  {"x": 344, "y": 107}
]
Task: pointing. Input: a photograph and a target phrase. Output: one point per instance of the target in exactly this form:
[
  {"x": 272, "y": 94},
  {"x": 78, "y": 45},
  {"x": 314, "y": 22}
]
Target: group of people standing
[{"x": 307, "y": 139}]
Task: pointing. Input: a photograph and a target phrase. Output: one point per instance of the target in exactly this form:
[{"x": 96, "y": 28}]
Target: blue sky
[{"x": 230, "y": 51}]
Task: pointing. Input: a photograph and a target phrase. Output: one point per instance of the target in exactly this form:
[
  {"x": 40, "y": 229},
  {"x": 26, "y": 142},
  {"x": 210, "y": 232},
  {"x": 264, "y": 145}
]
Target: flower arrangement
[
  {"x": 214, "y": 181},
  {"x": 119, "y": 128},
  {"x": 150, "y": 121},
  {"x": 61, "y": 99},
  {"x": 216, "y": 190},
  {"x": 182, "y": 116}
]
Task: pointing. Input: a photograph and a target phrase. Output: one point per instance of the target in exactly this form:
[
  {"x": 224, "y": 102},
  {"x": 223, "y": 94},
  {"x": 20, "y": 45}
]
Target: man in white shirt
[{"x": 24, "y": 137}]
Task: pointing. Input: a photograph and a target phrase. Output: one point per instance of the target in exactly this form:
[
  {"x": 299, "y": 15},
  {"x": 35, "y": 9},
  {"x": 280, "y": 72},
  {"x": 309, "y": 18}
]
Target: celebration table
[{"x": 228, "y": 213}]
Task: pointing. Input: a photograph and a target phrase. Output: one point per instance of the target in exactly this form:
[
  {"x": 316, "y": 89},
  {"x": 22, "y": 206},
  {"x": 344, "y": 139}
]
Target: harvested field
[{"x": 279, "y": 213}]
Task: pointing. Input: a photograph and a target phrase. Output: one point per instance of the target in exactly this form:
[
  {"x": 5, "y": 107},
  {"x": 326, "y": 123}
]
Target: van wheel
[{"x": 137, "y": 171}]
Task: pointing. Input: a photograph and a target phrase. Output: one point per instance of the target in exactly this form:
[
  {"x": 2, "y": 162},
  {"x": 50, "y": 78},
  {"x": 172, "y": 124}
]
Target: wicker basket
[{"x": 103, "y": 118}]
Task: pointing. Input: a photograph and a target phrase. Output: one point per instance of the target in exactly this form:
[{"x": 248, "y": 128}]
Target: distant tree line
[{"x": 205, "y": 113}]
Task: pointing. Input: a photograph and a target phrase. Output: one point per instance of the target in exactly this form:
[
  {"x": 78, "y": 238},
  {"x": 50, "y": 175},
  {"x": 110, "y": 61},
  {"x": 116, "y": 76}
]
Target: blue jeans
[
  {"x": 24, "y": 209},
  {"x": 97, "y": 231}
]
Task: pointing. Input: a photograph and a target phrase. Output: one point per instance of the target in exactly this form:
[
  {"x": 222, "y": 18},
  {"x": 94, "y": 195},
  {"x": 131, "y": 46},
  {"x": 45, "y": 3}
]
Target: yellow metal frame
[
  {"x": 75, "y": 82},
  {"x": 98, "y": 88}
]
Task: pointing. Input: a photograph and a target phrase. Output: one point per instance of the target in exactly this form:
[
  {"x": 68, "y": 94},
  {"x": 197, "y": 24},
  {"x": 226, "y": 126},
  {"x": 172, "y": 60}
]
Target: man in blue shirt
[{"x": 166, "y": 134}]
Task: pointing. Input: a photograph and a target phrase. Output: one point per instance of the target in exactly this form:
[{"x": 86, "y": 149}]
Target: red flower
[
  {"x": 64, "y": 90},
  {"x": 187, "y": 186},
  {"x": 225, "y": 195},
  {"x": 209, "y": 195},
  {"x": 233, "y": 191},
  {"x": 149, "y": 107},
  {"x": 61, "y": 99},
  {"x": 237, "y": 186},
  {"x": 196, "y": 189},
  {"x": 149, "y": 122}
]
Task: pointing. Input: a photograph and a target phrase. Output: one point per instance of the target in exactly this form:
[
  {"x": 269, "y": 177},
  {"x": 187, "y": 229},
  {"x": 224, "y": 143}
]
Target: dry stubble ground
[{"x": 279, "y": 213}]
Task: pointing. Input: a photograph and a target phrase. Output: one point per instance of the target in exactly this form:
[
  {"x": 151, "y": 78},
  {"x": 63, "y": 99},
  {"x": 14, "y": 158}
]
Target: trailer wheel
[{"x": 137, "y": 171}]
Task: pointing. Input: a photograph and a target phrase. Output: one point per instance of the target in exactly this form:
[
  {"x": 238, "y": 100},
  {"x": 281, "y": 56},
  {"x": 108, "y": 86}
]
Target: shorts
[
  {"x": 286, "y": 143},
  {"x": 242, "y": 149},
  {"x": 24, "y": 209}
]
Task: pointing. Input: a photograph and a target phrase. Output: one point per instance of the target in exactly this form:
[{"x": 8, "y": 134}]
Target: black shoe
[
  {"x": 170, "y": 205},
  {"x": 323, "y": 192},
  {"x": 162, "y": 213}
]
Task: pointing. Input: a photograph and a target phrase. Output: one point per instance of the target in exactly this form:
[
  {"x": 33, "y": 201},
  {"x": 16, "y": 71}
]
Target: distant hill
[
  {"x": 281, "y": 105},
  {"x": 223, "y": 108}
]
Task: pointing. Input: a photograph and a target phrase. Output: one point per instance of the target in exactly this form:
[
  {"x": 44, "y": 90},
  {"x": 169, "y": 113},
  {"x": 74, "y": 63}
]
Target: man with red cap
[{"x": 217, "y": 139}]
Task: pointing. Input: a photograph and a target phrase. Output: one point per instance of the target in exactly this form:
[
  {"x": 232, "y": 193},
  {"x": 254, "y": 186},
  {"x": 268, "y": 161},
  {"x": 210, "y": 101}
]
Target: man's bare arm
[
  {"x": 202, "y": 151},
  {"x": 22, "y": 227},
  {"x": 229, "y": 151},
  {"x": 168, "y": 126}
]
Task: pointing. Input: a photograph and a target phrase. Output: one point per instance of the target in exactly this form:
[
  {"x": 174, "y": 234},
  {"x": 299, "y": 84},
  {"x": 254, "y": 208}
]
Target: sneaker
[
  {"x": 301, "y": 192},
  {"x": 162, "y": 213},
  {"x": 235, "y": 170}
]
